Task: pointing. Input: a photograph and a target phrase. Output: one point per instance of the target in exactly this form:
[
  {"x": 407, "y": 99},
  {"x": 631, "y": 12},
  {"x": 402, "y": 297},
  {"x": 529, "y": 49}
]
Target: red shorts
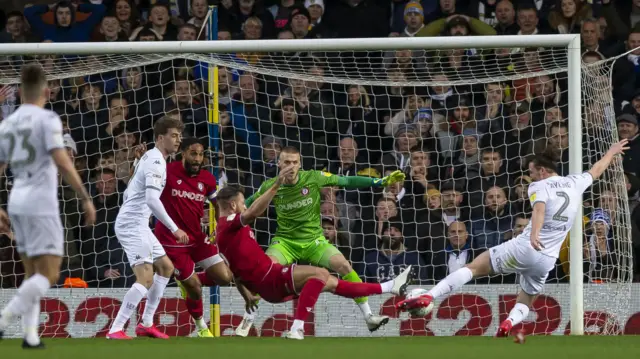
[
  {"x": 185, "y": 258},
  {"x": 278, "y": 285}
]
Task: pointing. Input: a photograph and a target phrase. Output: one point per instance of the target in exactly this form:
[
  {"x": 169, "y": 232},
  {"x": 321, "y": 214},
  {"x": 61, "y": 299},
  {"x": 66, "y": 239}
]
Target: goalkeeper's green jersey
[{"x": 298, "y": 205}]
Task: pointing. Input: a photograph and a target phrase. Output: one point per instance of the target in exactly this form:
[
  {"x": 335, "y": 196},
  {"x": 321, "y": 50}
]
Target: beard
[{"x": 191, "y": 170}]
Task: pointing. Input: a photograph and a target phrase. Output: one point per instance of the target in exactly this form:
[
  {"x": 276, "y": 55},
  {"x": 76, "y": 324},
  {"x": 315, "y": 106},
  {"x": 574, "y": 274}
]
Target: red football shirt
[
  {"x": 183, "y": 197},
  {"x": 237, "y": 244}
]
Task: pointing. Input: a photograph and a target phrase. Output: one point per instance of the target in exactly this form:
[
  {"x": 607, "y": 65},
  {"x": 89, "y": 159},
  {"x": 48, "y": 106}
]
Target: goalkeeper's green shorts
[{"x": 316, "y": 252}]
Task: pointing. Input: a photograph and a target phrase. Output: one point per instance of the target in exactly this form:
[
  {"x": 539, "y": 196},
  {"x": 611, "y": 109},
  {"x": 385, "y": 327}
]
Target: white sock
[
  {"x": 201, "y": 324},
  {"x": 29, "y": 293},
  {"x": 249, "y": 316},
  {"x": 518, "y": 313},
  {"x": 153, "y": 299},
  {"x": 30, "y": 321},
  {"x": 297, "y": 324},
  {"x": 452, "y": 282},
  {"x": 387, "y": 286},
  {"x": 129, "y": 304},
  {"x": 365, "y": 309}
]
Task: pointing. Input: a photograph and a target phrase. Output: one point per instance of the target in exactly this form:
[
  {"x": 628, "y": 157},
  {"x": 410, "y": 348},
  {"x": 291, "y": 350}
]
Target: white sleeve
[
  {"x": 152, "y": 196},
  {"x": 52, "y": 133},
  {"x": 537, "y": 193},
  {"x": 583, "y": 181},
  {"x": 154, "y": 172}
]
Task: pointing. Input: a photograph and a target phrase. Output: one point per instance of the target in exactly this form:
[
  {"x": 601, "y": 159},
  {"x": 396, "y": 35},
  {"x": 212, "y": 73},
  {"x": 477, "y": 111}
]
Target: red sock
[
  {"x": 308, "y": 298},
  {"x": 204, "y": 279},
  {"x": 356, "y": 290},
  {"x": 195, "y": 308}
]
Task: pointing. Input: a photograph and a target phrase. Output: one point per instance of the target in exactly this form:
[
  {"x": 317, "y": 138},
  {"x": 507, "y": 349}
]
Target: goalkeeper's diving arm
[{"x": 152, "y": 197}]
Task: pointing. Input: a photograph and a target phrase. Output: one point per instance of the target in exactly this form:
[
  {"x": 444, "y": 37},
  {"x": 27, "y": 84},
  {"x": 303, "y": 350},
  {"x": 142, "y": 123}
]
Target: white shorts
[
  {"x": 517, "y": 256},
  {"x": 139, "y": 243},
  {"x": 38, "y": 235}
]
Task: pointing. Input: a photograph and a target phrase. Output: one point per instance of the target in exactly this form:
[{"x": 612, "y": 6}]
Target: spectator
[
  {"x": 16, "y": 29},
  {"x": 445, "y": 9},
  {"x": 520, "y": 222},
  {"x": 492, "y": 224},
  {"x": 110, "y": 30},
  {"x": 249, "y": 114},
  {"x": 104, "y": 261},
  {"x": 459, "y": 250},
  {"x": 65, "y": 27},
  {"x": 336, "y": 237},
  {"x": 198, "y": 12},
  {"x": 316, "y": 10},
  {"x": 406, "y": 137},
  {"x": 159, "y": 23},
  {"x": 413, "y": 104},
  {"x": 300, "y": 23},
  {"x": 628, "y": 129},
  {"x": 506, "y": 18},
  {"x": 413, "y": 19},
  {"x": 391, "y": 258},
  {"x": 520, "y": 196},
  {"x": 281, "y": 13},
  {"x": 184, "y": 98},
  {"x": 127, "y": 15},
  {"x": 590, "y": 35},
  {"x": 624, "y": 80},
  {"x": 598, "y": 249},
  {"x": 457, "y": 25},
  {"x": 567, "y": 16},
  {"x": 528, "y": 21},
  {"x": 70, "y": 218},
  {"x": 91, "y": 112},
  {"x": 452, "y": 209}
]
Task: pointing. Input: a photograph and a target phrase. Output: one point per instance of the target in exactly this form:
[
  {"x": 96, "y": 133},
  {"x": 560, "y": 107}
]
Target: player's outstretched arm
[
  {"x": 261, "y": 203},
  {"x": 363, "y": 182},
  {"x": 71, "y": 177},
  {"x": 616, "y": 149}
]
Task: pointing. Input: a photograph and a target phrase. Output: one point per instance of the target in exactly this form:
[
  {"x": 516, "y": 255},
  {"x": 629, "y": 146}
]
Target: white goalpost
[{"x": 118, "y": 89}]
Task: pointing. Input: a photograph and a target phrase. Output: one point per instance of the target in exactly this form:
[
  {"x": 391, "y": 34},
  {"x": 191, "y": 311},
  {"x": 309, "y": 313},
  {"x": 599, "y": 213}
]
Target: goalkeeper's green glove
[{"x": 393, "y": 177}]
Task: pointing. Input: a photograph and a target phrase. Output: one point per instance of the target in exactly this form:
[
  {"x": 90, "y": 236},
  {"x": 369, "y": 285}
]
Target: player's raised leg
[
  {"x": 309, "y": 282},
  {"x": 479, "y": 267}
]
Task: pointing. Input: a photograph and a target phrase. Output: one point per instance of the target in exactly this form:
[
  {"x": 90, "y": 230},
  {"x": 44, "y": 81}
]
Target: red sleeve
[
  {"x": 211, "y": 184},
  {"x": 234, "y": 222}
]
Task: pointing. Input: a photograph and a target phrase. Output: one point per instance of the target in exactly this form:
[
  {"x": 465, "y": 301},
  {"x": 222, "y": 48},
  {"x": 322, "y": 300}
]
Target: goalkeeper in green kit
[{"x": 299, "y": 237}]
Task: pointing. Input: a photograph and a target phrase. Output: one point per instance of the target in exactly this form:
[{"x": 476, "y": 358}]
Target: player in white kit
[
  {"x": 555, "y": 201},
  {"x": 31, "y": 142},
  {"x": 145, "y": 253}
]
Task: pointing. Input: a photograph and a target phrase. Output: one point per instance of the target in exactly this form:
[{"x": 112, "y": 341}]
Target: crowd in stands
[{"x": 462, "y": 147}]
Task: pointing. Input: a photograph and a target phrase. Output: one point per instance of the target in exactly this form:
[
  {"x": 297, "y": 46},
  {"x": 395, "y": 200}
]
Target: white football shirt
[
  {"x": 27, "y": 138},
  {"x": 150, "y": 172},
  {"x": 562, "y": 197}
]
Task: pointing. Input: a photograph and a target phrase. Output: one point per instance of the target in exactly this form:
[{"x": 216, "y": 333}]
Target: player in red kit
[
  {"x": 188, "y": 187},
  {"x": 255, "y": 272}
]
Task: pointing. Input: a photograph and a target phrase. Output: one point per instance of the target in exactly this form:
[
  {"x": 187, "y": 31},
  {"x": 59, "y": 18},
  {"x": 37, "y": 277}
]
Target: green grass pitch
[{"x": 536, "y": 347}]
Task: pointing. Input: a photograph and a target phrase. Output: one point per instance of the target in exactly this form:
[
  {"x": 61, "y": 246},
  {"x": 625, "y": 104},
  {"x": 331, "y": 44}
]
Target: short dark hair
[
  {"x": 188, "y": 142},
  {"x": 544, "y": 160},
  {"x": 163, "y": 125},
  {"x": 106, "y": 171},
  {"x": 33, "y": 79},
  {"x": 191, "y": 26},
  {"x": 226, "y": 194},
  {"x": 290, "y": 149},
  {"x": 15, "y": 13},
  {"x": 558, "y": 124},
  {"x": 146, "y": 32}
]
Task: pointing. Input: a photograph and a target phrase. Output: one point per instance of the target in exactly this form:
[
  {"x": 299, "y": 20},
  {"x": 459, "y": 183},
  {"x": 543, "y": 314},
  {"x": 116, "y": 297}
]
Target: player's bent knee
[
  {"x": 340, "y": 265},
  {"x": 164, "y": 267},
  {"x": 322, "y": 274}
]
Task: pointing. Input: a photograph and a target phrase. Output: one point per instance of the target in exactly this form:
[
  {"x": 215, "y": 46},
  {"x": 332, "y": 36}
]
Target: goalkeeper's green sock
[{"x": 362, "y": 302}]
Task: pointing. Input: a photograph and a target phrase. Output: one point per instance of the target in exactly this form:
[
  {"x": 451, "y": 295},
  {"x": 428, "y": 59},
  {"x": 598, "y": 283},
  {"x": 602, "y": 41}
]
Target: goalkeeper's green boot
[{"x": 204, "y": 333}]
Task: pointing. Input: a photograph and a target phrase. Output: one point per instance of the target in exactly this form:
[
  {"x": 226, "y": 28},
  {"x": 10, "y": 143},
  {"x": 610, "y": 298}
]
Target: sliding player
[
  {"x": 299, "y": 236},
  {"x": 31, "y": 143},
  {"x": 255, "y": 272},
  {"x": 555, "y": 201},
  {"x": 144, "y": 252},
  {"x": 188, "y": 186}
]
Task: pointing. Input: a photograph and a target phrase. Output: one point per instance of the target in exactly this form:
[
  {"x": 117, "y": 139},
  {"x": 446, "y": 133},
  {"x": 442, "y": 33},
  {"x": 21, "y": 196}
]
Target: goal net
[{"x": 460, "y": 124}]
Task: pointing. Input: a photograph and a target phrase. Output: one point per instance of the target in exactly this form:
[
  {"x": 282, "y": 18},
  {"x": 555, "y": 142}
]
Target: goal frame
[{"x": 569, "y": 41}]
